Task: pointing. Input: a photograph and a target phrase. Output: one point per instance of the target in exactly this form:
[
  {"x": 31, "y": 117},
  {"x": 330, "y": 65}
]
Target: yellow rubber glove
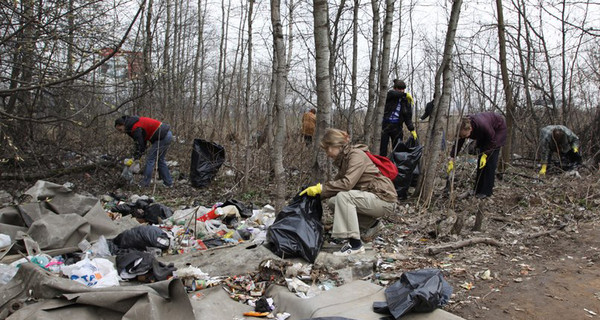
[
  {"x": 575, "y": 149},
  {"x": 482, "y": 161},
  {"x": 128, "y": 162},
  {"x": 414, "y": 134},
  {"x": 543, "y": 170},
  {"x": 450, "y": 166},
  {"x": 313, "y": 190}
]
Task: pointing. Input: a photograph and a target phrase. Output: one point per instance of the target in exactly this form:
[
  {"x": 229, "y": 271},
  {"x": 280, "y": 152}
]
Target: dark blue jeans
[
  {"x": 158, "y": 150},
  {"x": 390, "y": 131}
]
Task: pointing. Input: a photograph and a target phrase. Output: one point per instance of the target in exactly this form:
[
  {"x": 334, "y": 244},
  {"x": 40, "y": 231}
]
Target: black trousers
[
  {"x": 484, "y": 183},
  {"x": 390, "y": 131}
]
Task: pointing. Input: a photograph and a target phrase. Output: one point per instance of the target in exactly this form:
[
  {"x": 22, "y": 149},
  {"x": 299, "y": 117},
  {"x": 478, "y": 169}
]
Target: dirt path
[{"x": 558, "y": 279}]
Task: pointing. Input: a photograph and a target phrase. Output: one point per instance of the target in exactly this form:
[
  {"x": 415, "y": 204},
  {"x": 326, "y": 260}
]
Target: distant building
[{"x": 124, "y": 65}]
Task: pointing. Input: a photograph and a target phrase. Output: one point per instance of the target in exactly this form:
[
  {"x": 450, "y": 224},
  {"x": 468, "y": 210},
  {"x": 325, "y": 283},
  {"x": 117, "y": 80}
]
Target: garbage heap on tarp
[{"x": 53, "y": 233}]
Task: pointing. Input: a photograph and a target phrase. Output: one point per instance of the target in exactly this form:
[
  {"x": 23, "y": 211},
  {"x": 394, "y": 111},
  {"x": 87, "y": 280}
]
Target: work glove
[
  {"x": 575, "y": 149},
  {"x": 128, "y": 162},
  {"x": 482, "y": 161},
  {"x": 414, "y": 134},
  {"x": 543, "y": 170},
  {"x": 450, "y": 166},
  {"x": 312, "y": 190}
]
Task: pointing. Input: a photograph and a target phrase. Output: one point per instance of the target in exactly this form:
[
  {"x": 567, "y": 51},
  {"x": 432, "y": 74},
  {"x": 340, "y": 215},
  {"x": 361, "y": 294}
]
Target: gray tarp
[
  {"x": 56, "y": 217},
  {"x": 67, "y": 299},
  {"x": 353, "y": 300}
]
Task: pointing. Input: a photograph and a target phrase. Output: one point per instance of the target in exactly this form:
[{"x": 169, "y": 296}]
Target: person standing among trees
[
  {"x": 559, "y": 139},
  {"x": 141, "y": 130},
  {"x": 309, "y": 122},
  {"x": 397, "y": 111},
  {"x": 359, "y": 194},
  {"x": 489, "y": 130}
]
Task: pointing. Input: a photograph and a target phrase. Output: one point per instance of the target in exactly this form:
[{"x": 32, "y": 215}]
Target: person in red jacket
[
  {"x": 489, "y": 130},
  {"x": 141, "y": 130}
]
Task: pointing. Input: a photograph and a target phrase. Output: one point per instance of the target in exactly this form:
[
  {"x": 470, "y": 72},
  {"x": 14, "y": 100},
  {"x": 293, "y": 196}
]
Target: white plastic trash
[{"x": 4, "y": 240}]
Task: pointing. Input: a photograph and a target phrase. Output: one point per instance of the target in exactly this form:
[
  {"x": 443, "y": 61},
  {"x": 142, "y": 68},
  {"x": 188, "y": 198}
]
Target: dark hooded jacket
[
  {"x": 391, "y": 102},
  {"x": 489, "y": 130},
  {"x": 142, "y": 129}
]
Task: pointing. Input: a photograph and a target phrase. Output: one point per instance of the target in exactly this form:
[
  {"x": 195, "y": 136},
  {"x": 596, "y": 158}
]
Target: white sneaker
[{"x": 348, "y": 250}]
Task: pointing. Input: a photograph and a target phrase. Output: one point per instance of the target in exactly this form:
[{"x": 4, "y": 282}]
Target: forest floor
[{"x": 541, "y": 263}]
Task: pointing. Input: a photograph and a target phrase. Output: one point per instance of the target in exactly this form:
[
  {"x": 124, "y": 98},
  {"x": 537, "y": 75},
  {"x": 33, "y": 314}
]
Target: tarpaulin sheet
[
  {"x": 353, "y": 300},
  {"x": 66, "y": 299},
  {"x": 56, "y": 217}
]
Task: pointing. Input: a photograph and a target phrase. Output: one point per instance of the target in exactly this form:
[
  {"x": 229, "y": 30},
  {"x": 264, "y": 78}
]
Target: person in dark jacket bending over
[
  {"x": 142, "y": 129},
  {"x": 489, "y": 130},
  {"x": 397, "y": 111}
]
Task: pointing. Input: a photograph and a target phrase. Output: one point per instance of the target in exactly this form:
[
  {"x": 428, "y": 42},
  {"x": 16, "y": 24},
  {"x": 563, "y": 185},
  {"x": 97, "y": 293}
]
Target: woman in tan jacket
[{"x": 359, "y": 192}]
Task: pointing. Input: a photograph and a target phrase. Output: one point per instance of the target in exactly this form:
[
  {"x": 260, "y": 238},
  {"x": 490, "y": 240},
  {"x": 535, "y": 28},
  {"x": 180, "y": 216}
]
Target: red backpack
[{"x": 385, "y": 165}]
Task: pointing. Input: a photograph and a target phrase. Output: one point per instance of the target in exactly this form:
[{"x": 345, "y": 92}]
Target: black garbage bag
[
  {"x": 142, "y": 237},
  {"x": 569, "y": 160},
  {"x": 132, "y": 263},
  {"x": 417, "y": 291},
  {"x": 207, "y": 158},
  {"x": 297, "y": 230},
  {"x": 156, "y": 211},
  {"x": 406, "y": 156}
]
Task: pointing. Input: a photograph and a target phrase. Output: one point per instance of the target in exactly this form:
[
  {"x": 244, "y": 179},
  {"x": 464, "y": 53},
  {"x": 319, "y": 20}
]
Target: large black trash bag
[
  {"x": 297, "y": 230},
  {"x": 141, "y": 237},
  {"x": 417, "y": 291},
  {"x": 569, "y": 160},
  {"x": 406, "y": 157},
  {"x": 157, "y": 211},
  {"x": 207, "y": 158}
]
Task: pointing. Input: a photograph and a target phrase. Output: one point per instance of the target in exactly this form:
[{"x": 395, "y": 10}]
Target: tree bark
[
  {"x": 435, "y": 131},
  {"x": 510, "y": 106},
  {"x": 323, "y": 82},
  {"x": 368, "y": 127},
  {"x": 280, "y": 84},
  {"x": 383, "y": 75},
  {"x": 247, "y": 93}
]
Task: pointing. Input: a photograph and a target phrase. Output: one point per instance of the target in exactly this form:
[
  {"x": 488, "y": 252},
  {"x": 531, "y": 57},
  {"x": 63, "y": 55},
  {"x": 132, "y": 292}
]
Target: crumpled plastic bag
[
  {"x": 297, "y": 230},
  {"x": 141, "y": 237},
  {"x": 417, "y": 291},
  {"x": 97, "y": 272}
]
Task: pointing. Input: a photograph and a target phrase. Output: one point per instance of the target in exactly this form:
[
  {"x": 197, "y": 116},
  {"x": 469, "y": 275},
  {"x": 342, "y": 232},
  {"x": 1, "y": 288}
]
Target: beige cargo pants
[{"x": 355, "y": 209}]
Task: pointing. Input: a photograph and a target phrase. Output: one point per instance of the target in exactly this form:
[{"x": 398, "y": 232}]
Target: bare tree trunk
[
  {"x": 383, "y": 75},
  {"x": 323, "y": 82},
  {"x": 435, "y": 132},
  {"x": 354, "y": 67},
  {"x": 368, "y": 127},
  {"x": 247, "y": 119},
  {"x": 280, "y": 84},
  {"x": 197, "y": 92},
  {"x": 510, "y": 106}
]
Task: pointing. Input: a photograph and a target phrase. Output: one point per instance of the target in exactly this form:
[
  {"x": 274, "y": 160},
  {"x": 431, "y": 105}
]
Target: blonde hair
[{"x": 334, "y": 138}]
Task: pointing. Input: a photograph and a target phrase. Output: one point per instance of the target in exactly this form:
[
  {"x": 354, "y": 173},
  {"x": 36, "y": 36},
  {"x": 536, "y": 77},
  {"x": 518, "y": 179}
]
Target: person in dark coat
[
  {"x": 397, "y": 111},
  {"x": 489, "y": 130},
  {"x": 141, "y": 130}
]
